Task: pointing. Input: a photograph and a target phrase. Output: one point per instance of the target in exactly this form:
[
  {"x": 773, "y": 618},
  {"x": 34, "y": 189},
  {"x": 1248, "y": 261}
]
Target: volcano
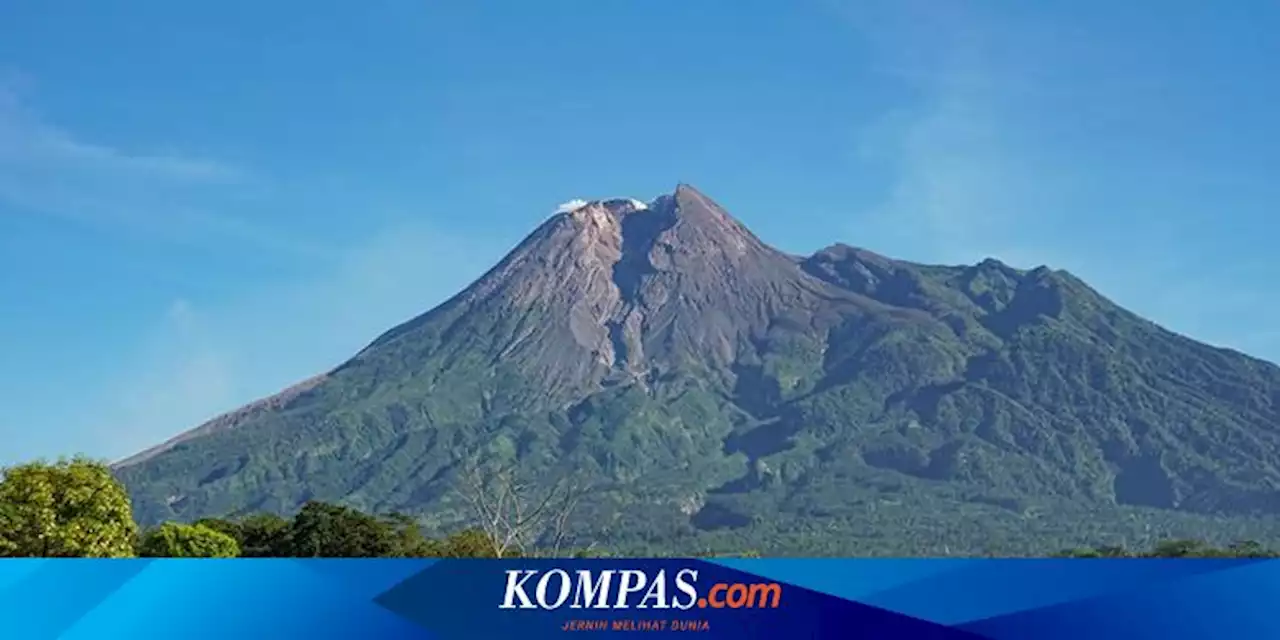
[{"x": 724, "y": 395}]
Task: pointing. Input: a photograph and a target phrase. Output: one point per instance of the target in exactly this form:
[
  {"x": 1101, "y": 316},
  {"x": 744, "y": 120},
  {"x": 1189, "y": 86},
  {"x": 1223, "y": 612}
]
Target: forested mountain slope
[{"x": 716, "y": 392}]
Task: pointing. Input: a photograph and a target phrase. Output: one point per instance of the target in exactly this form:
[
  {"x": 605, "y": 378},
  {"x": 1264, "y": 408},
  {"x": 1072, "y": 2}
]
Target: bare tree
[{"x": 516, "y": 515}]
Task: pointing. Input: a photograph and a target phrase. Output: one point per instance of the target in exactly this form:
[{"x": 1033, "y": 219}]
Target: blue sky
[{"x": 201, "y": 203}]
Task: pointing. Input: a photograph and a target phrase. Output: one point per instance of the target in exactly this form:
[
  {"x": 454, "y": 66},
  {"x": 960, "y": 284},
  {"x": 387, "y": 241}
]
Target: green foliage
[
  {"x": 1179, "y": 549},
  {"x": 920, "y": 410},
  {"x": 1100, "y": 552},
  {"x": 469, "y": 543},
  {"x": 1199, "y": 549},
  {"x": 264, "y": 535},
  {"x": 71, "y": 508},
  {"x": 408, "y": 540},
  {"x": 333, "y": 531},
  {"x": 233, "y": 529},
  {"x": 172, "y": 540},
  {"x": 74, "y": 509}
]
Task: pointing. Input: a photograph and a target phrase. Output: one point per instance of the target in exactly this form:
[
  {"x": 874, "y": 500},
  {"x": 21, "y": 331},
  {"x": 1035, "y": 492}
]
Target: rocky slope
[{"x": 719, "y": 392}]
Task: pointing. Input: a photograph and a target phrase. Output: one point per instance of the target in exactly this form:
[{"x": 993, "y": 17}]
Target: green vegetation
[
  {"x": 73, "y": 508},
  {"x": 77, "y": 509},
  {"x": 1178, "y": 549},
  {"x": 840, "y": 404},
  {"x": 1065, "y": 430},
  {"x": 87, "y": 526},
  {"x": 172, "y": 540}
]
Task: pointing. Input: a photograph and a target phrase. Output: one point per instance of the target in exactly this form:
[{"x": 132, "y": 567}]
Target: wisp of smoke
[{"x": 570, "y": 206}]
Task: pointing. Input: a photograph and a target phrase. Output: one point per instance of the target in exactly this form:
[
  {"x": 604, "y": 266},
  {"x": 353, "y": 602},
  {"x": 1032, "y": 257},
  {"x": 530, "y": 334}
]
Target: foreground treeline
[
  {"x": 1178, "y": 549},
  {"x": 319, "y": 530},
  {"x": 76, "y": 508}
]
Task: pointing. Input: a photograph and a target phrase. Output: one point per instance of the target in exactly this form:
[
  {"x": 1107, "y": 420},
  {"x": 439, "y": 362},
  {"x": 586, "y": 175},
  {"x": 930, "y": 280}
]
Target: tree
[
  {"x": 264, "y": 535},
  {"x": 173, "y": 540},
  {"x": 468, "y": 543},
  {"x": 228, "y": 527},
  {"x": 1097, "y": 552},
  {"x": 1183, "y": 549},
  {"x": 332, "y": 531},
  {"x": 408, "y": 539},
  {"x": 327, "y": 530},
  {"x": 1178, "y": 549},
  {"x": 71, "y": 508},
  {"x": 1251, "y": 549},
  {"x": 515, "y": 516}
]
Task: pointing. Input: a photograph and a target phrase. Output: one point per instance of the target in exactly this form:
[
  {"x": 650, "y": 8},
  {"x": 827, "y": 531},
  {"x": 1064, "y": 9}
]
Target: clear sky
[{"x": 201, "y": 203}]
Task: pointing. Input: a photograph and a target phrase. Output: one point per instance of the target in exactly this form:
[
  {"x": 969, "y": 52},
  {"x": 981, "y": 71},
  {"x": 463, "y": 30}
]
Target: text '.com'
[{"x": 631, "y": 589}]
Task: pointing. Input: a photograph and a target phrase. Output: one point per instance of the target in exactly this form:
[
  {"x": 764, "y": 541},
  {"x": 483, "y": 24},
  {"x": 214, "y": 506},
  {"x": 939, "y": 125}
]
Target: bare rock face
[
  {"x": 618, "y": 286},
  {"x": 699, "y": 285},
  {"x": 665, "y": 351}
]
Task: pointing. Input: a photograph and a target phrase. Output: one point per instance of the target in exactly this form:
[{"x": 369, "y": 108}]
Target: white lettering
[
  {"x": 632, "y": 582},
  {"x": 657, "y": 591},
  {"x": 686, "y": 587},
  {"x": 515, "y": 589},
  {"x": 541, "y": 591},
  {"x": 588, "y": 590}
]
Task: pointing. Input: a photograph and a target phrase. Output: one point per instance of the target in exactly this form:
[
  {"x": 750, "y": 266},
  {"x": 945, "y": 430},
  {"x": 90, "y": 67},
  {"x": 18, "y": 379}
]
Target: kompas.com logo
[{"x": 631, "y": 589}]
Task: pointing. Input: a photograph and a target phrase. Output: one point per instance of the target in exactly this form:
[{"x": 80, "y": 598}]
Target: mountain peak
[
  {"x": 691, "y": 201},
  {"x": 628, "y": 282},
  {"x": 684, "y": 188},
  {"x": 684, "y": 221},
  {"x": 712, "y": 381},
  {"x": 686, "y": 199},
  {"x": 617, "y": 205}
]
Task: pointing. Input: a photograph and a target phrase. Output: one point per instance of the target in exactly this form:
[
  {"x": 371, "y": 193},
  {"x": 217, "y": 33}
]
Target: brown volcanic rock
[
  {"x": 703, "y": 286},
  {"x": 667, "y": 353},
  {"x": 614, "y": 287}
]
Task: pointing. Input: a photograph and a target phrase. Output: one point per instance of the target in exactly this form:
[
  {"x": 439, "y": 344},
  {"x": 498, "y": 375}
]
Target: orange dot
[{"x": 702, "y": 603}]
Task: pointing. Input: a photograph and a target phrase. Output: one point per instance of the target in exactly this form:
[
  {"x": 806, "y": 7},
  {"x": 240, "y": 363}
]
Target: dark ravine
[{"x": 720, "y": 392}]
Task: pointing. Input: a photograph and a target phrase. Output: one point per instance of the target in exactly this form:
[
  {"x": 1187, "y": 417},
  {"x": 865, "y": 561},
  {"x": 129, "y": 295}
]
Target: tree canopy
[
  {"x": 76, "y": 508},
  {"x": 173, "y": 540},
  {"x": 71, "y": 508},
  {"x": 1178, "y": 549}
]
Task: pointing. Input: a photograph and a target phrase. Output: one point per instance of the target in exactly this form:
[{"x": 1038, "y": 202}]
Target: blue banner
[{"x": 1063, "y": 599}]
